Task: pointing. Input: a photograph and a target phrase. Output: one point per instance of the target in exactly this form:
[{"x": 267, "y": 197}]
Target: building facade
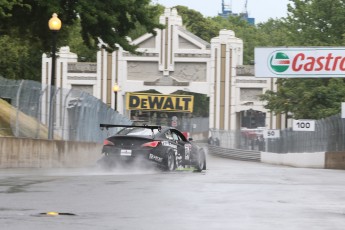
[{"x": 174, "y": 60}]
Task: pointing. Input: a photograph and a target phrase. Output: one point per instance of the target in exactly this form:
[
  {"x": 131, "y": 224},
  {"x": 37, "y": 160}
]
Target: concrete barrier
[
  {"x": 327, "y": 160},
  {"x": 303, "y": 160},
  {"x": 37, "y": 153}
]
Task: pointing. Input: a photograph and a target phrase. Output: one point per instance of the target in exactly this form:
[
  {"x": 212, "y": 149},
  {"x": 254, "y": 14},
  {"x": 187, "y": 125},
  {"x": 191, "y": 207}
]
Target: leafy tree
[
  {"x": 250, "y": 35},
  {"x": 273, "y": 33},
  {"x": 107, "y": 20},
  {"x": 310, "y": 23},
  {"x": 316, "y": 22},
  {"x": 15, "y": 59},
  {"x": 77, "y": 45},
  {"x": 26, "y": 23},
  {"x": 112, "y": 20},
  {"x": 208, "y": 28},
  {"x": 195, "y": 22},
  {"x": 306, "y": 98},
  {"x": 140, "y": 30},
  {"x": 6, "y": 7}
]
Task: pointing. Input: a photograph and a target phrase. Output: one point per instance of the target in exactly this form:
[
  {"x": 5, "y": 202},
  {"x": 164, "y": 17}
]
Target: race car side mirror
[{"x": 190, "y": 139}]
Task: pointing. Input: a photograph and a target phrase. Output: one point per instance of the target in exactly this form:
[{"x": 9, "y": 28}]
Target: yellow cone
[{"x": 52, "y": 213}]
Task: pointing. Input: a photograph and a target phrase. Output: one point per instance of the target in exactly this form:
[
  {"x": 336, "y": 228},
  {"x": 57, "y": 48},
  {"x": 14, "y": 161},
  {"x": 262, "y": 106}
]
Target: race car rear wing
[{"x": 152, "y": 127}]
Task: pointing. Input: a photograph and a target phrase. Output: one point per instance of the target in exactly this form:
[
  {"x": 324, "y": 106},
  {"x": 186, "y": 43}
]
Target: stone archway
[{"x": 173, "y": 60}]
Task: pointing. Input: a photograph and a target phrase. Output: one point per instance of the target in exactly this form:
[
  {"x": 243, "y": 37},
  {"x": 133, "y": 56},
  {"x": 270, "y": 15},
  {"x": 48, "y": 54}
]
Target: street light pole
[
  {"x": 54, "y": 25},
  {"x": 116, "y": 89}
]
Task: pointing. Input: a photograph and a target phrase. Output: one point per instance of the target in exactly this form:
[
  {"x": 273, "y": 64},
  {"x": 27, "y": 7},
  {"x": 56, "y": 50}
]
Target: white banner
[
  {"x": 303, "y": 125},
  {"x": 300, "y": 62},
  {"x": 271, "y": 133}
]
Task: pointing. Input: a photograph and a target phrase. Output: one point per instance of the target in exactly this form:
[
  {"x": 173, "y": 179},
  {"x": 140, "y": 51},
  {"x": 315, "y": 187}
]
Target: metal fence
[
  {"x": 329, "y": 135},
  {"x": 77, "y": 114},
  {"x": 187, "y": 124}
]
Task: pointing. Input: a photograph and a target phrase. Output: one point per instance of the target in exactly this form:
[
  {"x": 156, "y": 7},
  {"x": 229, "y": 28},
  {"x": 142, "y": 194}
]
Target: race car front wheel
[{"x": 171, "y": 164}]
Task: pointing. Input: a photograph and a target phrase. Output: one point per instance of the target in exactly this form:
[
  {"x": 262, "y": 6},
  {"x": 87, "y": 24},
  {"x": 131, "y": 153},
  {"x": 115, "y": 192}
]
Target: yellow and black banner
[{"x": 159, "y": 102}]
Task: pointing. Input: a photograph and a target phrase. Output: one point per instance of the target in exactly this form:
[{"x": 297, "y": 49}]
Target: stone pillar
[
  {"x": 170, "y": 19},
  {"x": 226, "y": 54},
  {"x": 64, "y": 56}
]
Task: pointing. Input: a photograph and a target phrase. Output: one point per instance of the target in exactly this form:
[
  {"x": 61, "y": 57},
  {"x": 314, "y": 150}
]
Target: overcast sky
[{"x": 261, "y": 10}]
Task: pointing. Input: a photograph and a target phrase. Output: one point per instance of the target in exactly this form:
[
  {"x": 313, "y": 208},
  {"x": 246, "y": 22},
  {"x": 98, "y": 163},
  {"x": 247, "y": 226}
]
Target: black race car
[{"x": 165, "y": 147}]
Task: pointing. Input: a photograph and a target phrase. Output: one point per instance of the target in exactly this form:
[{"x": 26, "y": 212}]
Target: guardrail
[{"x": 236, "y": 154}]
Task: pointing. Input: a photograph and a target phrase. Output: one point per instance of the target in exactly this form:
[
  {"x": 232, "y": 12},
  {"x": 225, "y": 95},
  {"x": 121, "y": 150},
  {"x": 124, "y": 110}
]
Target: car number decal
[{"x": 187, "y": 150}]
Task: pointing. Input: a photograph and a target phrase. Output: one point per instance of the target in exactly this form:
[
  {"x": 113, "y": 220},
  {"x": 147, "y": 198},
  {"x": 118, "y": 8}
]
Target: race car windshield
[{"x": 138, "y": 131}]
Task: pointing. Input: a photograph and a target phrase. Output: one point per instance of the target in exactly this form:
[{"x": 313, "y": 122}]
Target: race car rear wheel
[
  {"x": 201, "y": 163},
  {"x": 171, "y": 164}
]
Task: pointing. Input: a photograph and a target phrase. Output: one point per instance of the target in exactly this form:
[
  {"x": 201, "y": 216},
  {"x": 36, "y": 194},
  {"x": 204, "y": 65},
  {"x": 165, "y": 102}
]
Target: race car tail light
[
  {"x": 152, "y": 144},
  {"x": 107, "y": 142}
]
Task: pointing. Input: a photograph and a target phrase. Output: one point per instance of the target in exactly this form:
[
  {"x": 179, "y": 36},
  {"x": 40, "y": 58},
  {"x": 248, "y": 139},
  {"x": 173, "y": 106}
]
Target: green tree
[
  {"x": 306, "y": 98},
  {"x": 273, "y": 33},
  {"x": 316, "y": 22},
  {"x": 6, "y": 7},
  {"x": 310, "y": 23},
  {"x": 195, "y": 22},
  {"x": 77, "y": 45},
  {"x": 107, "y": 21},
  {"x": 15, "y": 59},
  {"x": 209, "y": 27},
  {"x": 250, "y": 35},
  {"x": 140, "y": 30}
]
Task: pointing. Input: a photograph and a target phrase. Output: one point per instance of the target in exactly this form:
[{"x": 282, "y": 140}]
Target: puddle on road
[{"x": 19, "y": 185}]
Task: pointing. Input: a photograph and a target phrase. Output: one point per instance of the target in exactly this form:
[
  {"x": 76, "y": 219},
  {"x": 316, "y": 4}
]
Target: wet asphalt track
[{"x": 229, "y": 195}]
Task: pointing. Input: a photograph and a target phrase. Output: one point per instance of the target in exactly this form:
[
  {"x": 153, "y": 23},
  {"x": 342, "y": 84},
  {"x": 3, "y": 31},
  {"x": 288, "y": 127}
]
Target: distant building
[
  {"x": 174, "y": 60},
  {"x": 227, "y": 11}
]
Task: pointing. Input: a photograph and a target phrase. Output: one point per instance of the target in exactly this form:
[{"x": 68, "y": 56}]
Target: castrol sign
[{"x": 314, "y": 62}]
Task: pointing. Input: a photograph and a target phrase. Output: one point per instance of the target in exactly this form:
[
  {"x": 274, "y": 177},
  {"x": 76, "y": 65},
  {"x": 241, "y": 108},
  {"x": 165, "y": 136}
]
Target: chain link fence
[
  {"x": 329, "y": 135},
  {"x": 185, "y": 124},
  {"x": 76, "y": 114}
]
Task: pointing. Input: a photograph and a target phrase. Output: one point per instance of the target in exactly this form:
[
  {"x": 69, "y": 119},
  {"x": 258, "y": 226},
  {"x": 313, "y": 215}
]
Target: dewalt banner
[{"x": 159, "y": 102}]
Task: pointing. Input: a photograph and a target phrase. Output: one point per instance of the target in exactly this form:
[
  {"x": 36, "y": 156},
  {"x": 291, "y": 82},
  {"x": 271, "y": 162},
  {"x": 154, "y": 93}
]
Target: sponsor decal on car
[
  {"x": 187, "y": 150},
  {"x": 156, "y": 158},
  {"x": 167, "y": 143}
]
